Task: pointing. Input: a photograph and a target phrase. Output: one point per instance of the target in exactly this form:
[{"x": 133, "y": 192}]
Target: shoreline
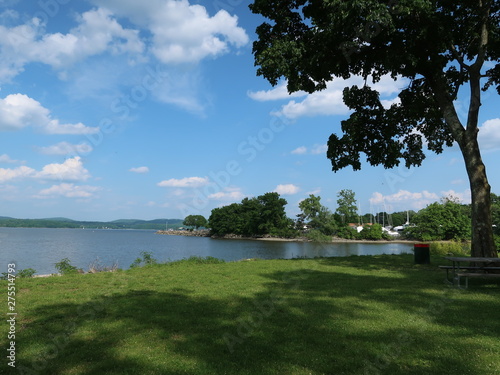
[{"x": 206, "y": 233}]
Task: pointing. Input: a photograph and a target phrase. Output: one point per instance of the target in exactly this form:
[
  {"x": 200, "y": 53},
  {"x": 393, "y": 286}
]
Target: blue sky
[{"x": 116, "y": 109}]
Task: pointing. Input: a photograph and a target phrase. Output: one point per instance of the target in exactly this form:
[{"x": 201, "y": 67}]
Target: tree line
[{"x": 265, "y": 215}]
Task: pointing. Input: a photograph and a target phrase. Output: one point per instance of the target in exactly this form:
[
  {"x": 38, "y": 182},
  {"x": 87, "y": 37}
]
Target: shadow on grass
[{"x": 306, "y": 321}]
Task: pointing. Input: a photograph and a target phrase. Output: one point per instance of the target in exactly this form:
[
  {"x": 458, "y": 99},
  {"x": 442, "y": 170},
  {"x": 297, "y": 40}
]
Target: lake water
[{"x": 42, "y": 248}]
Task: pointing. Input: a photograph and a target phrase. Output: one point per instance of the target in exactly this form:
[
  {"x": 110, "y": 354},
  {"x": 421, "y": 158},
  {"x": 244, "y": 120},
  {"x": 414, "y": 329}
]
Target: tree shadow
[{"x": 322, "y": 321}]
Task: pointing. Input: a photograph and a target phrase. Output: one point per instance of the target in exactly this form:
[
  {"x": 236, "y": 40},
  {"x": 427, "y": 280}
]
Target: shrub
[
  {"x": 96, "y": 266},
  {"x": 315, "y": 235},
  {"x": 65, "y": 267},
  {"x": 26, "y": 273},
  {"x": 443, "y": 248},
  {"x": 146, "y": 260}
]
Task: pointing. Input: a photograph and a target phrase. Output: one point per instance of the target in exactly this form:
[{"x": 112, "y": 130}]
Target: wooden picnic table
[{"x": 481, "y": 269}]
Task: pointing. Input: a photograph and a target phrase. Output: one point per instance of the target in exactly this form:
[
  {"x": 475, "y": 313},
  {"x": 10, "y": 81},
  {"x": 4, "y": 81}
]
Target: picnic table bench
[{"x": 481, "y": 271}]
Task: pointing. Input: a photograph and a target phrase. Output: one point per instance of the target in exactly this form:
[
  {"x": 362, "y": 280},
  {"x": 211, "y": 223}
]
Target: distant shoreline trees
[{"x": 265, "y": 216}]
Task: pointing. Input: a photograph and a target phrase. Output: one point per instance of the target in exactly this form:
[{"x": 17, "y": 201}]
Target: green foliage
[
  {"x": 21, "y": 274},
  {"x": 347, "y": 233},
  {"x": 258, "y": 216},
  {"x": 372, "y": 232},
  {"x": 319, "y": 217},
  {"x": 443, "y": 248},
  {"x": 26, "y": 273},
  {"x": 495, "y": 214},
  {"x": 146, "y": 260},
  {"x": 65, "y": 267},
  {"x": 316, "y": 235},
  {"x": 195, "y": 221},
  {"x": 445, "y": 220},
  {"x": 347, "y": 208}
]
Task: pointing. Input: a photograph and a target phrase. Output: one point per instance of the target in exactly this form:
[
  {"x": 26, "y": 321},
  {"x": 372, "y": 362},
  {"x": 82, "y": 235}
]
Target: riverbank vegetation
[
  {"x": 446, "y": 220},
  {"x": 355, "y": 315}
]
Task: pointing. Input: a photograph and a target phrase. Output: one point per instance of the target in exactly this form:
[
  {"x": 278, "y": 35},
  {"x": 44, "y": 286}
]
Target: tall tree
[
  {"x": 438, "y": 46},
  {"x": 195, "y": 221},
  {"x": 346, "y": 205}
]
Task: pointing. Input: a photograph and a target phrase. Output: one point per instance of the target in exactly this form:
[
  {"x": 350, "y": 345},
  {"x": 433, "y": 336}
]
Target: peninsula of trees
[{"x": 265, "y": 215}]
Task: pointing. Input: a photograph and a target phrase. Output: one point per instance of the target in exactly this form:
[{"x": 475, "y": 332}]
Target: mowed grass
[{"x": 354, "y": 315}]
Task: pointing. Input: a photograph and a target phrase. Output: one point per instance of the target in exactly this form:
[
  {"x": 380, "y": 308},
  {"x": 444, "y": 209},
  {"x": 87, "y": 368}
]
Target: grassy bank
[{"x": 355, "y": 315}]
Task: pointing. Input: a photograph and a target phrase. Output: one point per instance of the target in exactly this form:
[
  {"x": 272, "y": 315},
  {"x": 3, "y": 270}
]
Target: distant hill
[{"x": 61, "y": 222}]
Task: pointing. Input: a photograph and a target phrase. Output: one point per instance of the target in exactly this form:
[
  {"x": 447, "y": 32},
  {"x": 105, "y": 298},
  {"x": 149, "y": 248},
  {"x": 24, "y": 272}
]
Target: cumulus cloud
[
  {"x": 415, "y": 200},
  {"x": 185, "y": 182},
  {"x": 97, "y": 32},
  {"x": 181, "y": 32},
  {"x": 71, "y": 170},
  {"x": 287, "y": 189},
  {"x": 65, "y": 148},
  {"x": 18, "y": 111},
  {"x": 277, "y": 93},
  {"x": 328, "y": 101},
  {"x": 228, "y": 194},
  {"x": 489, "y": 134},
  {"x": 139, "y": 170},
  {"x": 7, "y": 174},
  {"x": 69, "y": 191}
]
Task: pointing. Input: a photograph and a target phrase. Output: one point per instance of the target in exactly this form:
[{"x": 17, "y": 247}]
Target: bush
[
  {"x": 348, "y": 233},
  {"x": 96, "y": 266},
  {"x": 315, "y": 235},
  {"x": 146, "y": 260},
  {"x": 65, "y": 267},
  {"x": 443, "y": 248},
  {"x": 27, "y": 273}
]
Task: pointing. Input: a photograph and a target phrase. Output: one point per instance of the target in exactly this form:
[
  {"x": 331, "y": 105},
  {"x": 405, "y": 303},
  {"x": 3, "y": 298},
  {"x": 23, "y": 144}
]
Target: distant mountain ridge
[{"x": 62, "y": 222}]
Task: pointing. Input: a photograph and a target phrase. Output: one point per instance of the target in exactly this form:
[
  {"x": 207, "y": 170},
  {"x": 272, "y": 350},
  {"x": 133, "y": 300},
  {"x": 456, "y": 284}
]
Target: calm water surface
[{"x": 42, "y": 248}]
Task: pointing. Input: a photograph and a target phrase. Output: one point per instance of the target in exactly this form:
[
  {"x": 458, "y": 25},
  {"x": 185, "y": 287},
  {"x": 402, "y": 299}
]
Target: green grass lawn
[{"x": 354, "y": 315}]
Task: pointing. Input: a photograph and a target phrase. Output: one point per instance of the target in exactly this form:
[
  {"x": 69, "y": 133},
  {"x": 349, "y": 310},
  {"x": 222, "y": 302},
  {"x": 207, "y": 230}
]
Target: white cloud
[
  {"x": 18, "y": 111},
  {"x": 71, "y": 170},
  {"x": 139, "y": 170},
  {"x": 97, "y": 32},
  {"x": 181, "y": 33},
  {"x": 315, "y": 150},
  {"x": 300, "y": 150},
  {"x": 185, "y": 182},
  {"x": 69, "y": 191},
  {"x": 319, "y": 149},
  {"x": 16, "y": 173},
  {"x": 228, "y": 194},
  {"x": 464, "y": 197},
  {"x": 489, "y": 134},
  {"x": 404, "y": 199},
  {"x": 287, "y": 189},
  {"x": 65, "y": 148},
  {"x": 329, "y": 101},
  {"x": 6, "y": 159},
  {"x": 277, "y": 93}
]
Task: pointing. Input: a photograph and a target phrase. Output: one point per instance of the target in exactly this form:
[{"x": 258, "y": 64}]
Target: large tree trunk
[{"x": 483, "y": 243}]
